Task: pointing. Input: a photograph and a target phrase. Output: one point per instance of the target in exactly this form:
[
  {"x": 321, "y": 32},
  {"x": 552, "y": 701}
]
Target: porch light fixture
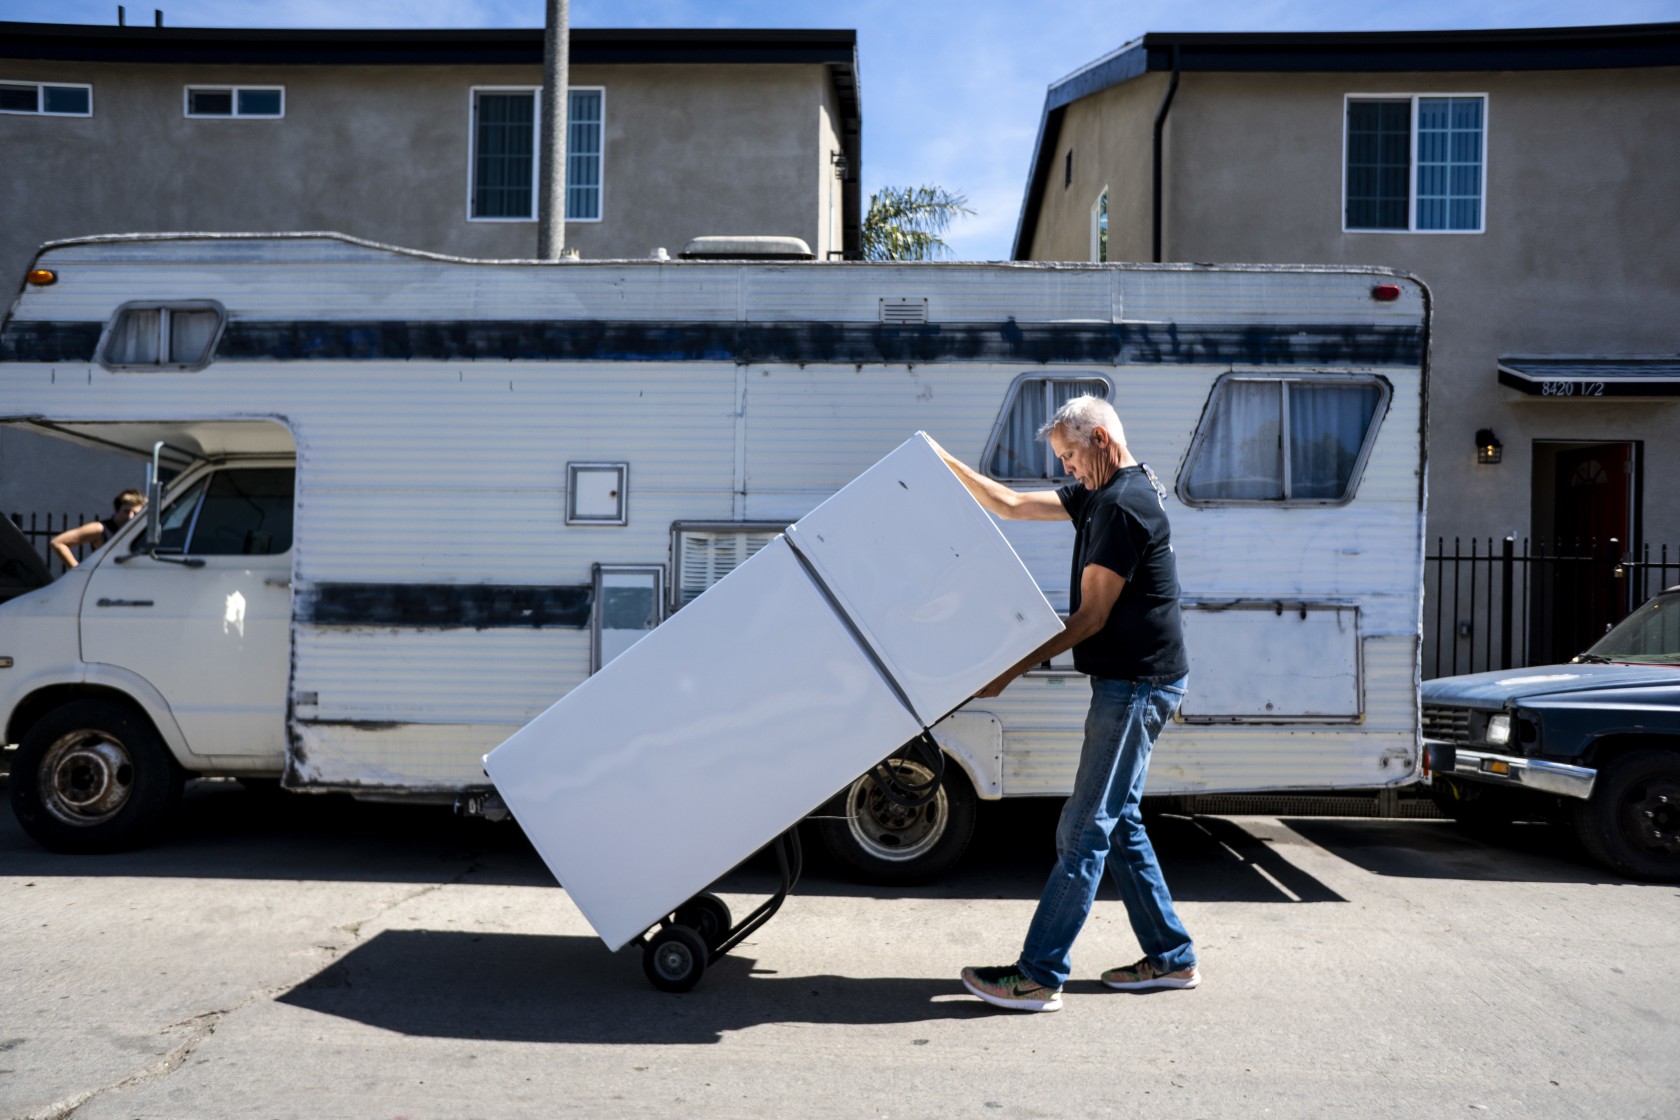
[
  {"x": 838, "y": 159},
  {"x": 1488, "y": 447}
]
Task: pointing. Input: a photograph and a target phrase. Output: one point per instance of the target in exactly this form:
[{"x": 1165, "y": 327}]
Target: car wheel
[
  {"x": 876, "y": 840},
  {"x": 1631, "y": 823},
  {"x": 93, "y": 776}
]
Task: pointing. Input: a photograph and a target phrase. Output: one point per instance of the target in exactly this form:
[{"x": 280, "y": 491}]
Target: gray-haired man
[{"x": 1125, "y": 634}]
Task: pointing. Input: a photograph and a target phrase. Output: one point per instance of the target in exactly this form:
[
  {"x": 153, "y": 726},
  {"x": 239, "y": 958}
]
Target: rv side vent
[
  {"x": 904, "y": 311},
  {"x": 705, "y": 552}
]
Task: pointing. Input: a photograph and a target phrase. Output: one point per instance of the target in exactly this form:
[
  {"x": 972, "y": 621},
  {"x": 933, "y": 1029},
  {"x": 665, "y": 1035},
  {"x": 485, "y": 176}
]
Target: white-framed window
[
  {"x": 147, "y": 336},
  {"x": 1099, "y": 228},
  {"x": 221, "y": 102},
  {"x": 703, "y": 552},
  {"x": 1014, "y": 452},
  {"x": 503, "y": 163},
  {"x": 1300, "y": 440},
  {"x": 629, "y": 601},
  {"x": 47, "y": 99},
  {"x": 1414, "y": 163},
  {"x": 597, "y": 493}
]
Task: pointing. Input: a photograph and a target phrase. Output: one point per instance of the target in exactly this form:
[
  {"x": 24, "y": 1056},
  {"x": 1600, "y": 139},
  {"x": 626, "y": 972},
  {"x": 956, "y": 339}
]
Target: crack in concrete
[{"x": 204, "y": 1025}]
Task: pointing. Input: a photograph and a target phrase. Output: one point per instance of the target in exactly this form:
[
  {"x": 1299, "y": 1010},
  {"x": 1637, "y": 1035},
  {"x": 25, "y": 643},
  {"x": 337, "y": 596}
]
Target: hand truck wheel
[
  {"x": 675, "y": 958},
  {"x": 708, "y": 915}
]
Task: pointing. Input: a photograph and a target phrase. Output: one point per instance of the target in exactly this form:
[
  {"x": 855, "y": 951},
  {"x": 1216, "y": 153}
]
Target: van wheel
[
  {"x": 876, "y": 840},
  {"x": 1631, "y": 823},
  {"x": 93, "y": 776}
]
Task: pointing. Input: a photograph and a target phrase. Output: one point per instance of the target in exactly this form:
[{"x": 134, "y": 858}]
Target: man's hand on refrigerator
[{"x": 996, "y": 687}]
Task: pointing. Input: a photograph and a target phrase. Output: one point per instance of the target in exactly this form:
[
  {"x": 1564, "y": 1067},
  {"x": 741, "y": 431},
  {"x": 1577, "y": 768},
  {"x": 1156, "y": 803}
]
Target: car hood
[
  {"x": 1495, "y": 690},
  {"x": 21, "y": 567}
]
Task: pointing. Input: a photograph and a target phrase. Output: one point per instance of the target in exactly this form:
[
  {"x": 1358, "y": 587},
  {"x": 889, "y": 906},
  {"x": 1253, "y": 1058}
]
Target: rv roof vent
[
  {"x": 904, "y": 310},
  {"x": 747, "y": 248}
]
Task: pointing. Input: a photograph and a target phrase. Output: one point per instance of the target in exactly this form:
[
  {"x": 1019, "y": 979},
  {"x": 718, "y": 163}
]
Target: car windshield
[{"x": 1649, "y": 634}]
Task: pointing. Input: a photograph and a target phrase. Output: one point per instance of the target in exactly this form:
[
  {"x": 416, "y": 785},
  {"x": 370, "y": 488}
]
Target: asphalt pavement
[{"x": 292, "y": 956}]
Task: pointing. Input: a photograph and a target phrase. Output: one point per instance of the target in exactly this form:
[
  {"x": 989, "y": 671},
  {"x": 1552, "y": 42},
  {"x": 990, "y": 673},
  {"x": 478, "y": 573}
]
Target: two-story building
[
  {"x": 424, "y": 139},
  {"x": 1529, "y": 177}
]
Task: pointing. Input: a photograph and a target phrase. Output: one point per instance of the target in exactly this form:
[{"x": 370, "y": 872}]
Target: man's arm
[
  {"x": 1032, "y": 505},
  {"x": 1099, "y": 589},
  {"x": 91, "y": 533}
]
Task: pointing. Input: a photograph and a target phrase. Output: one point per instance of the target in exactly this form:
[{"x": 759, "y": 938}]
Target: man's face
[{"x": 1085, "y": 462}]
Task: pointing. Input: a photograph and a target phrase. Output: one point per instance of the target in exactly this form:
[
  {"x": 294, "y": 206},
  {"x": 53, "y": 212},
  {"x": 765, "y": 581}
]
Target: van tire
[
  {"x": 875, "y": 841},
  {"x": 93, "y": 776},
  {"x": 1631, "y": 821}
]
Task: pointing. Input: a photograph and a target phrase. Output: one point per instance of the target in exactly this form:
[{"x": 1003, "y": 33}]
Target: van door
[{"x": 211, "y": 635}]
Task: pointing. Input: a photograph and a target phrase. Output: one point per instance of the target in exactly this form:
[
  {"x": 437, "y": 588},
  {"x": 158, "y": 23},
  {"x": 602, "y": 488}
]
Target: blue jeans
[{"x": 1103, "y": 817}]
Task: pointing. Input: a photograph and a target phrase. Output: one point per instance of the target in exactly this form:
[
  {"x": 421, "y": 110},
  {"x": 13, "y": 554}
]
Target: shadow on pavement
[
  {"x": 529, "y": 988},
  {"x": 1519, "y": 853}
]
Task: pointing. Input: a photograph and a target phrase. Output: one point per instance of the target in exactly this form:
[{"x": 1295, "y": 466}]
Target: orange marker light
[{"x": 41, "y": 277}]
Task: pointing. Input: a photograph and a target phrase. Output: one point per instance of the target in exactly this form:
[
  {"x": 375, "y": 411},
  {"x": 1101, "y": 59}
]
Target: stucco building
[
  {"x": 1528, "y": 177},
  {"x": 424, "y": 139}
]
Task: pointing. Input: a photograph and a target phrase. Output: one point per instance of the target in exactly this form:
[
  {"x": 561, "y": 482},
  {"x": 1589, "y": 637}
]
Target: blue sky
[{"x": 952, "y": 89}]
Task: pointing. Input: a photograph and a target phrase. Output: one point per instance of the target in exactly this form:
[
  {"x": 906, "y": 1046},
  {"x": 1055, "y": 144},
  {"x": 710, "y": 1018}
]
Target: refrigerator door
[
  {"x": 698, "y": 745},
  {"x": 924, "y": 573}
]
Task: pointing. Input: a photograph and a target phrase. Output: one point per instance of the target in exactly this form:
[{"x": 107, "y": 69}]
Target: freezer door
[
  {"x": 698, "y": 745},
  {"x": 925, "y": 575}
]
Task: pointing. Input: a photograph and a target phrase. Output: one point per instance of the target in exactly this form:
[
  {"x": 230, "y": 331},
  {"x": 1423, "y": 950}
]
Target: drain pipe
[{"x": 1160, "y": 129}]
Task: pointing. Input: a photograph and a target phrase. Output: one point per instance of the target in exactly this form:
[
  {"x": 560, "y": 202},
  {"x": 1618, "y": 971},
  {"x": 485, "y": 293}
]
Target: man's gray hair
[{"x": 1081, "y": 416}]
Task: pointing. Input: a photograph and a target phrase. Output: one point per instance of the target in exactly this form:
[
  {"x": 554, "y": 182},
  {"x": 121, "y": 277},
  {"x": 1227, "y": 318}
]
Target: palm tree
[{"x": 904, "y": 223}]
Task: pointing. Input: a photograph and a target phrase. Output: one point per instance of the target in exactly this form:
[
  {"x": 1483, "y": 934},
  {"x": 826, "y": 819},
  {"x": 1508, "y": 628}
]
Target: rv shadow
[
  {"x": 529, "y": 988},
  {"x": 1426, "y": 849}
]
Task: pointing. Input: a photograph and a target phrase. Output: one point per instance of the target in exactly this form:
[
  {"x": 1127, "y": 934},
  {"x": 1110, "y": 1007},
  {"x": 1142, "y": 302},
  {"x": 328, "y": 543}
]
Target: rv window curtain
[
  {"x": 134, "y": 339},
  {"x": 190, "y": 333},
  {"x": 1019, "y": 452},
  {"x": 1327, "y": 426},
  {"x": 1239, "y": 458}
]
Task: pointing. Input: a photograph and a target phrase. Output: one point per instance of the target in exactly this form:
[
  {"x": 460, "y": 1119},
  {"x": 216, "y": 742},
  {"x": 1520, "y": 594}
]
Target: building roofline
[
  {"x": 834, "y": 49},
  {"x": 1615, "y": 46}
]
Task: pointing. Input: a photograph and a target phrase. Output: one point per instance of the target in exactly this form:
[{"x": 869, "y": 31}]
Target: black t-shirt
[{"x": 1122, "y": 526}]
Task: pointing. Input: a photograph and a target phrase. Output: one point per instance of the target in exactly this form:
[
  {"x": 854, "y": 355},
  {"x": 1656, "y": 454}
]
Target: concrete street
[{"x": 281, "y": 956}]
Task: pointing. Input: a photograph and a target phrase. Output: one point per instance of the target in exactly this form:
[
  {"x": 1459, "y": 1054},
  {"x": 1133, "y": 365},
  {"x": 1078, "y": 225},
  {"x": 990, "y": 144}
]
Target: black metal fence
[
  {"x": 40, "y": 528},
  {"x": 1503, "y": 604}
]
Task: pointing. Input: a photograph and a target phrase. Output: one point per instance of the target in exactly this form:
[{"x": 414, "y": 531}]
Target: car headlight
[{"x": 1499, "y": 729}]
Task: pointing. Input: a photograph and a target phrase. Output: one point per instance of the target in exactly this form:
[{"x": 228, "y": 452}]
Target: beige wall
[
  {"x": 1579, "y": 253},
  {"x": 1109, "y": 134},
  {"x": 381, "y": 153}
]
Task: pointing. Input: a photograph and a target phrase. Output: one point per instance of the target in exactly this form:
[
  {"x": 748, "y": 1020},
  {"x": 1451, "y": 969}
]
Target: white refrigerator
[{"x": 869, "y": 620}]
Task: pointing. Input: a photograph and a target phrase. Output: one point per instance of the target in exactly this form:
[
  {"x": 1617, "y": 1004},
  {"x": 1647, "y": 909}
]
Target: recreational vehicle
[{"x": 404, "y": 502}]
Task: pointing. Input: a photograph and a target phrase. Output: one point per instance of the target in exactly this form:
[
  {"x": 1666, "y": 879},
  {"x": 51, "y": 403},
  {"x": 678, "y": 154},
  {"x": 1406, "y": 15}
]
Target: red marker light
[{"x": 1387, "y": 293}]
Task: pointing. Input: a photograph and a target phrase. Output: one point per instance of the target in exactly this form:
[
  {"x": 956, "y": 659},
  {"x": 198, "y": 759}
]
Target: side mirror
[{"x": 154, "y": 508}]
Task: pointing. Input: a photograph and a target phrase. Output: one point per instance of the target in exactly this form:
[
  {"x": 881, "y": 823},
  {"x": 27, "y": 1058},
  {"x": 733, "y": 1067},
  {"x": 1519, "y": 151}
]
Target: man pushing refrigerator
[{"x": 1126, "y": 635}]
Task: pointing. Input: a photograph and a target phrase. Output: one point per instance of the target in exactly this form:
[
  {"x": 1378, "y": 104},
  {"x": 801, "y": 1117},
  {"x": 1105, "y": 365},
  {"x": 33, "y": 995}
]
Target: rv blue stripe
[
  {"x": 823, "y": 342},
  {"x": 49, "y": 341},
  {"x": 439, "y": 606}
]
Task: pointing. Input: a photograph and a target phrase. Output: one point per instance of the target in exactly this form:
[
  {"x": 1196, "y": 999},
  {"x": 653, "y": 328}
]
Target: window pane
[
  {"x": 177, "y": 519},
  {"x": 259, "y": 103},
  {"x": 1378, "y": 162},
  {"x": 245, "y": 513},
  {"x": 189, "y": 336},
  {"x": 19, "y": 99},
  {"x": 134, "y": 338},
  {"x": 1449, "y": 163},
  {"x": 1327, "y": 427},
  {"x": 1019, "y": 452},
  {"x": 210, "y": 102},
  {"x": 583, "y": 155},
  {"x": 1240, "y": 455},
  {"x": 65, "y": 99},
  {"x": 505, "y": 145}
]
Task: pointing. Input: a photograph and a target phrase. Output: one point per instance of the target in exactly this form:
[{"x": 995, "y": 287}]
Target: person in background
[
  {"x": 1126, "y": 635},
  {"x": 123, "y": 509}
]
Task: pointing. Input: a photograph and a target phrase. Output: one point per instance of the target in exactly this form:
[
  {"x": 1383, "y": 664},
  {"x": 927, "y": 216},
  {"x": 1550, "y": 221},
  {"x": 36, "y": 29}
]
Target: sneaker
[
  {"x": 1143, "y": 976},
  {"x": 1006, "y": 987}
]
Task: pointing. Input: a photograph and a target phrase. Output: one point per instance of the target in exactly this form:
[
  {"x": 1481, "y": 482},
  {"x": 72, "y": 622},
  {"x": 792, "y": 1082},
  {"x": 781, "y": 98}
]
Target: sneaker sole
[
  {"x": 1054, "y": 1004},
  {"x": 1146, "y": 985}
]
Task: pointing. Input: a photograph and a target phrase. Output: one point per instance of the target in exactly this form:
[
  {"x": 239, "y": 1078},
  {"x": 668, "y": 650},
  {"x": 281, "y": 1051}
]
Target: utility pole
[{"x": 551, "y": 183}]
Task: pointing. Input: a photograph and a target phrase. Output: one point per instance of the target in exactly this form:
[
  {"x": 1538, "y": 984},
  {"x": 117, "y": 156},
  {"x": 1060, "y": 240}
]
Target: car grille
[{"x": 1446, "y": 725}]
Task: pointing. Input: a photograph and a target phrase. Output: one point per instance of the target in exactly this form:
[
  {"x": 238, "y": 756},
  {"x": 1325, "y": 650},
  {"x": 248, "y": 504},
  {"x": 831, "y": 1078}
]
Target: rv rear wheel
[
  {"x": 876, "y": 840},
  {"x": 93, "y": 776}
]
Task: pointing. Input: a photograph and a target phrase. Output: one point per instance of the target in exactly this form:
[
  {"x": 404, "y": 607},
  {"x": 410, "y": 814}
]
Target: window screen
[
  {"x": 162, "y": 336},
  {"x": 583, "y": 155},
  {"x": 1449, "y": 163},
  {"x": 505, "y": 163},
  {"x": 1015, "y": 451},
  {"x": 1379, "y": 154},
  {"x": 1283, "y": 440}
]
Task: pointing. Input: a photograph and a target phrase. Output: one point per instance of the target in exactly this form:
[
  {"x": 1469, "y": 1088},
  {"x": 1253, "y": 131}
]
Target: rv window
[
  {"x": 1015, "y": 452},
  {"x": 705, "y": 552},
  {"x": 163, "y": 336},
  {"x": 1283, "y": 439}
]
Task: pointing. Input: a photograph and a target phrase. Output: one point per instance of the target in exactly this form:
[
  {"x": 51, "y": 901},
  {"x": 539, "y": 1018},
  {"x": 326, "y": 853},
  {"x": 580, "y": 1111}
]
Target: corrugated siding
[
  {"x": 1043, "y": 726},
  {"x": 406, "y": 758}
]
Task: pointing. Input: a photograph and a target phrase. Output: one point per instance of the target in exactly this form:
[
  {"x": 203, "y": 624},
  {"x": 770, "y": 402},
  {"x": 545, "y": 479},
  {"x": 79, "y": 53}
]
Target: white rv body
[{"x": 435, "y": 598}]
